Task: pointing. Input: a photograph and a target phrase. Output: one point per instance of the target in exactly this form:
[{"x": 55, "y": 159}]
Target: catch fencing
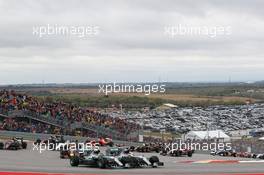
[{"x": 35, "y": 136}]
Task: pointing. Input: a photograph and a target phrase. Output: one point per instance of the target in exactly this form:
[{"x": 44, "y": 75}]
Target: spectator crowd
[{"x": 59, "y": 111}]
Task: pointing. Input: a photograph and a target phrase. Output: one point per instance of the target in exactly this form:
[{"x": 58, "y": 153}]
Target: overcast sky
[{"x": 132, "y": 45}]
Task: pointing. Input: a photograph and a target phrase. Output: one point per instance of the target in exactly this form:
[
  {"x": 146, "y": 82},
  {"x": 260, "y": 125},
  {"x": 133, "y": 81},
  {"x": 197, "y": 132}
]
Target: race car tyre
[
  {"x": 101, "y": 163},
  {"x": 221, "y": 154},
  {"x": 163, "y": 154},
  {"x": 111, "y": 144},
  {"x": 24, "y": 145},
  {"x": 132, "y": 148},
  {"x": 157, "y": 150},
  {"x": 62, "y": 156},
  {"x": 177, "y": 154},
  {"x": 74, "y": 161},
  {"x": 1, "y": 145},
  {"x": 153, "y": 160},
  {"x": 189, "y": 154}
]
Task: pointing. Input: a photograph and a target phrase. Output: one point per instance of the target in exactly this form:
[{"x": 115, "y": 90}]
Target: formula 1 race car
[
  {"x": 14, "y": 144},
  {"x": 224, "y": 153},
  {"x": 105, "y": 142},
  {"x": 246, "y": 155},
  {"x": 114, "y": 157},
  {"x": 66, "y": 152},
  {"x": 21, "y": 141},
  {"x": 53, "y": 141},
  {"x": 68, "y": 149},
  {"x": 232, "y": 153},
  {"x": 131, "y": 161},
  {"x": 101, "y": 142},
  {"x": 260, "y": 156},
  {"x": 93, "y": 158},
  {"x": 92, "y": 142},
  {"x": 147, "y": 148},
  {"x": 178, "y": 152},
  {"x": 185, "y": 152}
]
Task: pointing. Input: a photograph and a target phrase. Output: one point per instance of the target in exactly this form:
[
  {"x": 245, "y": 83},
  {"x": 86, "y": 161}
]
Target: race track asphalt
[{"x": 49, "y": 162}]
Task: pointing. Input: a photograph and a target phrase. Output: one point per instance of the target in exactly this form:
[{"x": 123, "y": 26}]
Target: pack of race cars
[
  {"x": 163, "y": 150},
  {"x": 115, "y": 156},
  {"x": 232, "y": 153},
  {"x": 66, "y": 152}
]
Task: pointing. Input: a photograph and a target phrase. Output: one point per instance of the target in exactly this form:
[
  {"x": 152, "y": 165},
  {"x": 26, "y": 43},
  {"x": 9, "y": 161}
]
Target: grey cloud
[{"x": 131, "y": 40}]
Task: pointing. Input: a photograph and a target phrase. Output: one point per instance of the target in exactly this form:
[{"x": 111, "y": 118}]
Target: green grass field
[{"x": 185, "y": 95}]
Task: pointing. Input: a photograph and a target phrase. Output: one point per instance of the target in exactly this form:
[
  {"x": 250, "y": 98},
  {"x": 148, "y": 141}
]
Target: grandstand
[{"x": 21, "y": 112}]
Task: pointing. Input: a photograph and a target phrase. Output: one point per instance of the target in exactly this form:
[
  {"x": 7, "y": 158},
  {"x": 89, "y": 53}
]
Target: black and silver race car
[
  {"x": 93, "y": 158},
  {"x": 129, "y": 160},
  {"x": 177, "y": 152},
  {"x": 113, "y": 157}
]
